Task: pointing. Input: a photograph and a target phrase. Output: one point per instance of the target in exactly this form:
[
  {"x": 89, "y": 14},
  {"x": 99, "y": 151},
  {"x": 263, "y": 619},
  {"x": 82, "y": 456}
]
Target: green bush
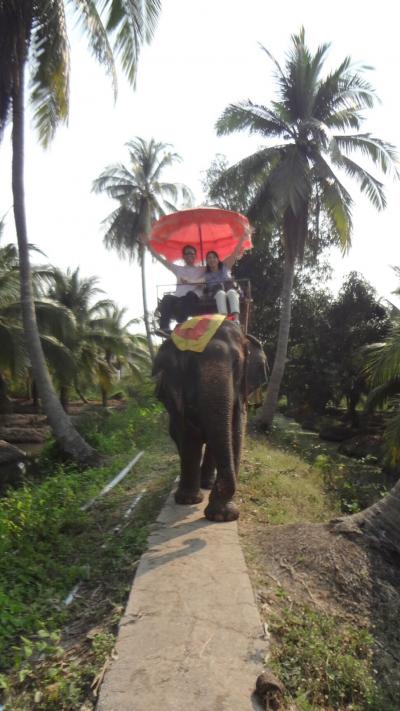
[{"x": 46, "y": 541}]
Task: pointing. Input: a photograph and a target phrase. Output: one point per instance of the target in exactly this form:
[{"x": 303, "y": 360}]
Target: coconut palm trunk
[
  {"x": 144, "y": 298},
  {"x": 66, "y": 435},
  {"x": 266, "y": 413},
  {"x": 380, "y": 522}
]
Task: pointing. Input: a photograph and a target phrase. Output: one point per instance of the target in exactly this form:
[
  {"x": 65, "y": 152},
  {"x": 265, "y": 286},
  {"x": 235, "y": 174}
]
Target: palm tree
[
  {"x": 36, "y": 32},
  {"x": 142, "y": 199},
  {"x": 317, "y": 120},
  {"x": 75, "y": 294},
  {"x": 10, "y": 331},
  {"x": 121, "y": 350},
  {"x": 53, "y": 320}
]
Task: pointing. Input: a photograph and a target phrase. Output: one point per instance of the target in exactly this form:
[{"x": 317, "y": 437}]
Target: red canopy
[{"x": 205, "y": 228}]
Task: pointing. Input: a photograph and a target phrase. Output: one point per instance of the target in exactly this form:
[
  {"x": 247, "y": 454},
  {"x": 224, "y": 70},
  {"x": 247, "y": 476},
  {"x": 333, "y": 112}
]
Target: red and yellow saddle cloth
[{"x": 195, "y": 333}]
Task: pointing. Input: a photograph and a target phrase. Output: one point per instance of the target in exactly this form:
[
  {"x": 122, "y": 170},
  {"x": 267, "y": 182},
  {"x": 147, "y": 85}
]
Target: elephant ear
[
  {"x": 166, "y": 373},
  {"x": 256, "y": 365}
]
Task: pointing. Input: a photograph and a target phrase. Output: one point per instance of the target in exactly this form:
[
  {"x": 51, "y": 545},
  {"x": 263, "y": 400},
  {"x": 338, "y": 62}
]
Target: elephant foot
[
  {"x": 221, "y": 511},
  {"x": 207, "y": 482},
  {"x": 188, "y": 497}
]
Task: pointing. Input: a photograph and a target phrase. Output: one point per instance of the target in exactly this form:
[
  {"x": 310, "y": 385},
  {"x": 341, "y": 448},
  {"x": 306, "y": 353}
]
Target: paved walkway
[{"x": 191, "y": 637}]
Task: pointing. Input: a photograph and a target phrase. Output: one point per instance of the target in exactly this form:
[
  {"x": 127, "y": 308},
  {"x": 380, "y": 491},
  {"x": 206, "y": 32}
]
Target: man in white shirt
[{"x": 188, "y": 291}]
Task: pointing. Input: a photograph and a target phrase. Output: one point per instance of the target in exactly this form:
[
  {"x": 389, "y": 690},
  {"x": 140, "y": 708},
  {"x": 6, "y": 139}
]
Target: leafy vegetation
[
  {"x": 48, "y": 545},
  {"x": 87, "y": 345}
]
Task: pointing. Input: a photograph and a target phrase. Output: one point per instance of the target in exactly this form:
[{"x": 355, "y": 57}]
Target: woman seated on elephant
[{"x": 219, "y": 283}]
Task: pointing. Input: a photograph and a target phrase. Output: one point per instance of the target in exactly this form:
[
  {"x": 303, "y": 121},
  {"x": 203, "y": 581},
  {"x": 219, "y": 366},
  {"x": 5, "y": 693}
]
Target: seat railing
[{"x": 207, "y": 303}]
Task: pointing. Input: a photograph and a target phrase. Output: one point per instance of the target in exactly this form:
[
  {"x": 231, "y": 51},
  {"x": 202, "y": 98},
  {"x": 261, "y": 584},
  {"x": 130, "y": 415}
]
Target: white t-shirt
[{"x": 191, "y": 273}]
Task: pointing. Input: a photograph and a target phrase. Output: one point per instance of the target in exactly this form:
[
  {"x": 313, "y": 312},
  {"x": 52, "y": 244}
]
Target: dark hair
[
  {"x": 220, "y": 264},
  {"x": 188, "y": 246}
]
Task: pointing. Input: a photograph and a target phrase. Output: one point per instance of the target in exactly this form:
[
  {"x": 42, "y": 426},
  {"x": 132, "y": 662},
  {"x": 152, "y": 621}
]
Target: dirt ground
[{"x": 333, "y": 574}]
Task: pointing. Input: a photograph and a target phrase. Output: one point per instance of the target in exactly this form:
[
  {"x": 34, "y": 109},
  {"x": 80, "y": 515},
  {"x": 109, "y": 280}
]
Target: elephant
[{"x": 205, "y": 395}]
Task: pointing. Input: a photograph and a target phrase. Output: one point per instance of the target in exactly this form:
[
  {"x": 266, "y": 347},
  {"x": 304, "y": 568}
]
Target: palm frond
[
  {"x": 122, "y": 229},
  {"x": 262, "y": 205},
  {"x": 49, "y": 55},
  {"x": 248, "y": 171},
  {"x": 56, "y": 319},
  {"x": 12, "y": 351},
  {"x": 335, "y": 201},
  {"x": 356, "y": 91},
  {"x": 88, "y": 18},
  {"x": 343, "y": 119},
  {"x": 302, "y": 71},
  {"x": 166, "y": 161},
  {"x": 383, "y": 363},
  {"x": 290, "y": 180},
  {"x": 116, "y": 181},
  {"x": 59, "y": 357},
  {"x": 383, "y": 154},
  {"x": 382, "y": 394},
  {"x": 369, "y": 185},
  {"x": 251, "y": 117},
  {"x": 131, "y": 23}
]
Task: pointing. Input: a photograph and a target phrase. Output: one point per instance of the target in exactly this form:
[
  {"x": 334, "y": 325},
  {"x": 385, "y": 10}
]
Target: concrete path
[{"x": 191, "y": 637}]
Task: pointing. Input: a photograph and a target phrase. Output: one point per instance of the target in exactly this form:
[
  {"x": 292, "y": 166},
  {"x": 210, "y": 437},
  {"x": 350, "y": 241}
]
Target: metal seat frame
[{"x": 208, "y": 305}]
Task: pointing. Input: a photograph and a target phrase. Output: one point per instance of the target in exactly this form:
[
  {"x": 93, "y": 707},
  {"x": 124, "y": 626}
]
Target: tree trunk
[
  {"x": 267, "y": 411},
  {"x": 104, "y": 398},
  {"x": 80, "y": 394},
  {"x": 380, "y": 522},
  {"x": 35, "y": 396},
  {"x": 64, "y": 397},
  {"x": 67, "y": 437},
  {"x": 144, "y": 296}
]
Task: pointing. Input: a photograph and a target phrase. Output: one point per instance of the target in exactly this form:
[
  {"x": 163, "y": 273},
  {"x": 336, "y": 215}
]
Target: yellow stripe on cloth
[{"x": 196, "y": 333}]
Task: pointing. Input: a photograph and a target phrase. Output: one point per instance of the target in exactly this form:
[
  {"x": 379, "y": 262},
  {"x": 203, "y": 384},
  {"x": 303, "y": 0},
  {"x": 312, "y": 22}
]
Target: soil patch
[{"x": 312, "y": 566}]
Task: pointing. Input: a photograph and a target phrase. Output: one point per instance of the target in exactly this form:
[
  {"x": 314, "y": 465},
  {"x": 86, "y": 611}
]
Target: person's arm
[
  {"x": 144, "y": 239},
  {"x": 230, "y": 261}
]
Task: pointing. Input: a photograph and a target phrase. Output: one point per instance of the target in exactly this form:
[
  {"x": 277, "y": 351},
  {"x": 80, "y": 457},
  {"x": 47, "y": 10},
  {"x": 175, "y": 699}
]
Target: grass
[
  {"x": 277, "y": 487},
  {"x": 50, "y": 654},
  {"x": 351, "y": 484},
  {"x": 324, "y": 663}
]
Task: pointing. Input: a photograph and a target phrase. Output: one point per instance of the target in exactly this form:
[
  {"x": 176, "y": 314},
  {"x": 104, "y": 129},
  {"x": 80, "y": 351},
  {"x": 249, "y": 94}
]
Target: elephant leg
[
  {"x": 174, "y": 433},
  {"x": 207, "y": 469},
  {"x": 188, "y": 491},
  {"x": 220, "y": 505}
]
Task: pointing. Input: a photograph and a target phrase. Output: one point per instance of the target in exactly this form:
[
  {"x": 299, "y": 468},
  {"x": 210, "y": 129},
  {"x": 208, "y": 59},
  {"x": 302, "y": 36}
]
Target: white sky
[{"x": 204, "y": 56}]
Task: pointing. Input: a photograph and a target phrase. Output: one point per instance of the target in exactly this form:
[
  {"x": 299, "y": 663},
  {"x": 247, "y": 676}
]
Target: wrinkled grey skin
[{"x": 205, "y": 396}]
